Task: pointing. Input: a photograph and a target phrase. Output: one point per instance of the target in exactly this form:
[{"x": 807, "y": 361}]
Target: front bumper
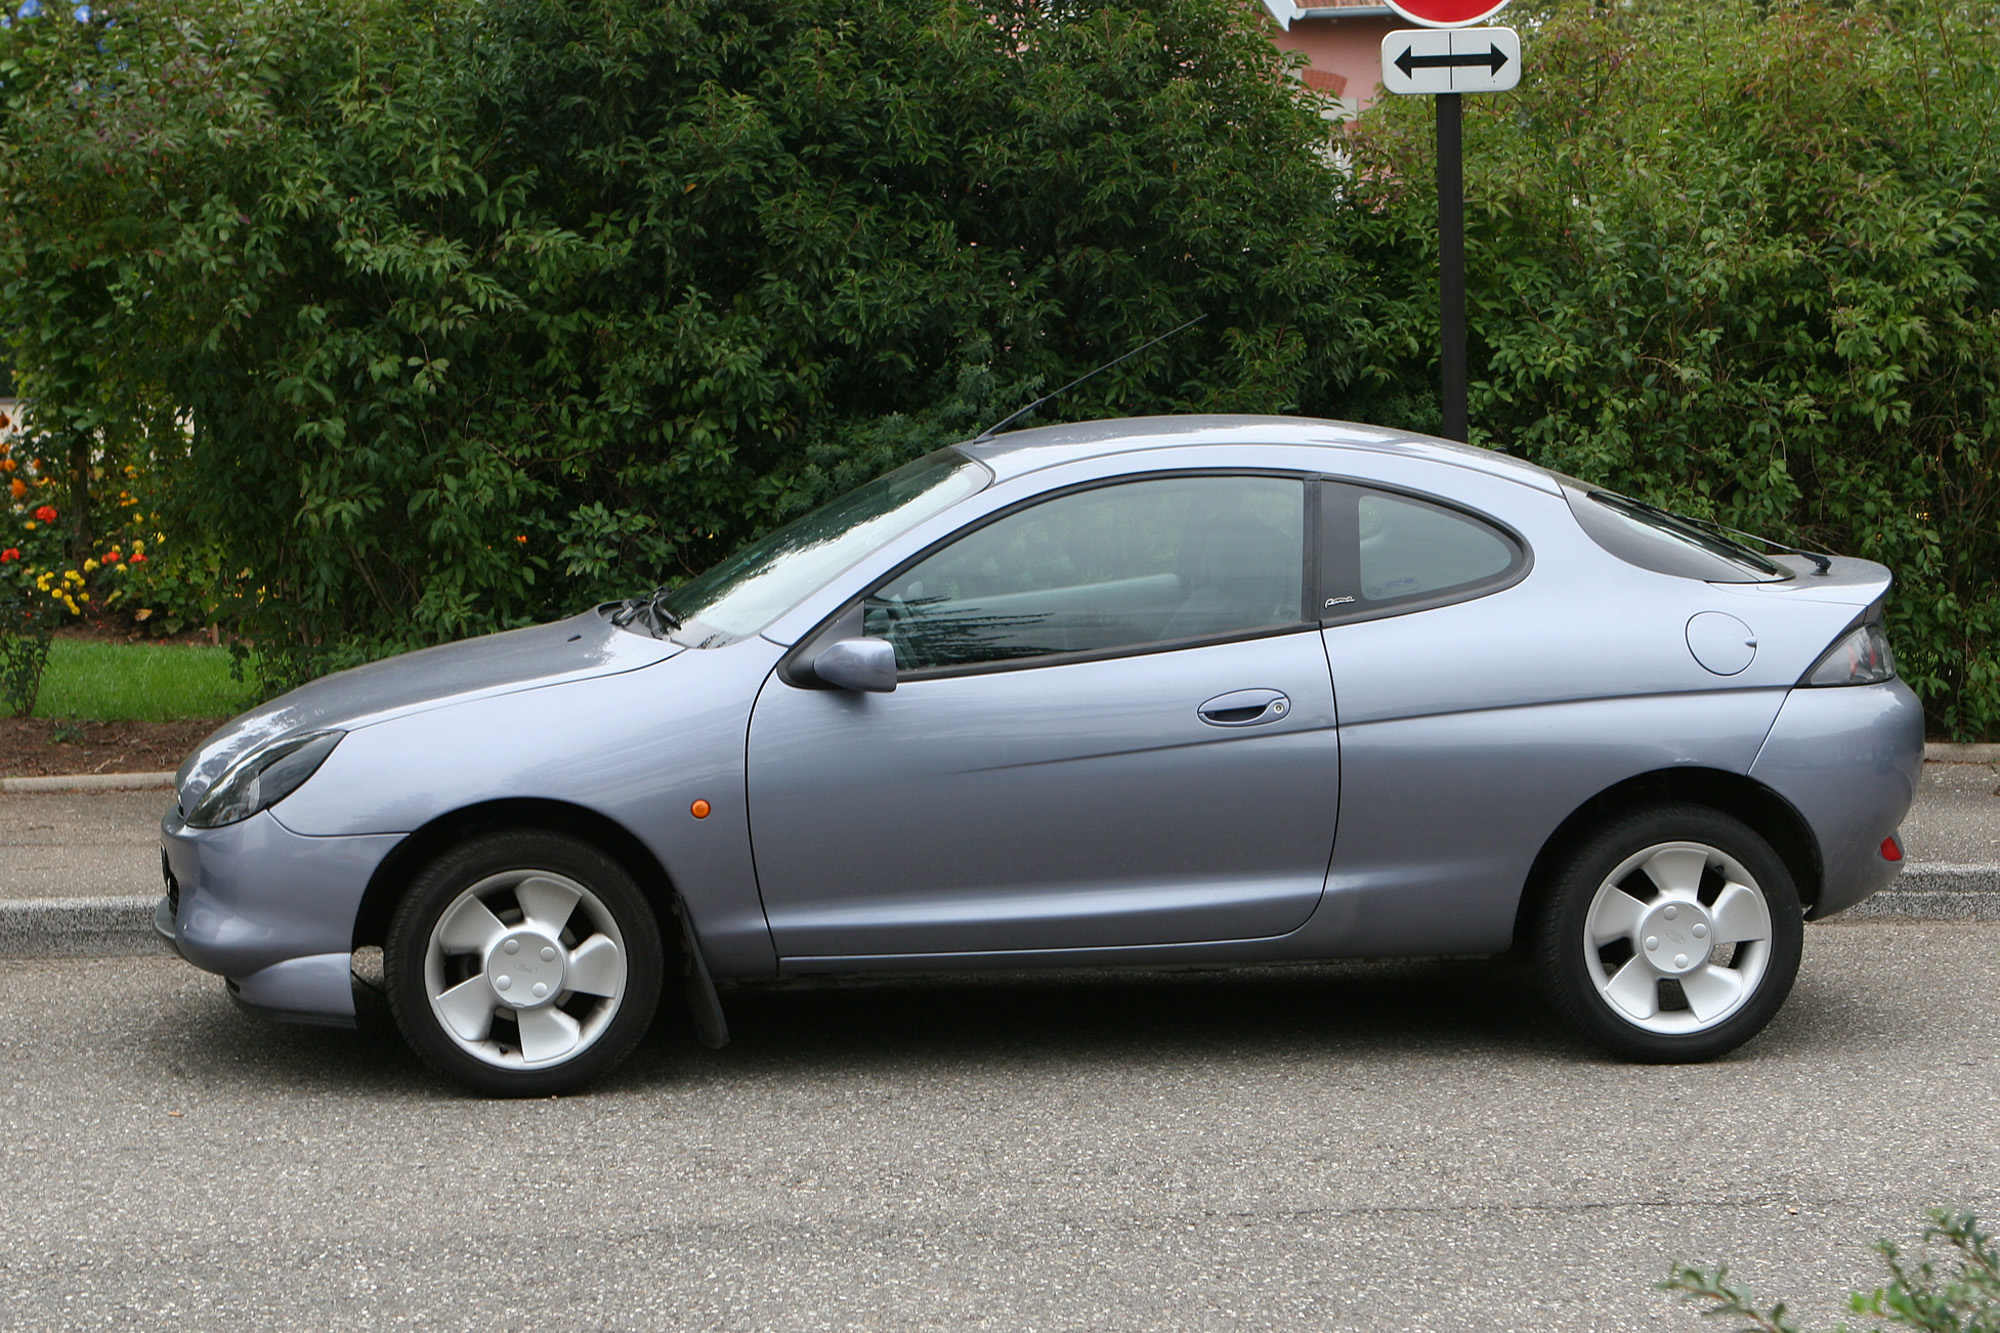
[{"x": 271, "y": 910}]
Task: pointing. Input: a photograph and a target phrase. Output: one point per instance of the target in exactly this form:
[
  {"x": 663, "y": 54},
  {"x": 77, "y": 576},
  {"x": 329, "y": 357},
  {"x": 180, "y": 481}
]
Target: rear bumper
[
  {"x": 1848, "y": 759},
  {"x": 271, "y": 910}
]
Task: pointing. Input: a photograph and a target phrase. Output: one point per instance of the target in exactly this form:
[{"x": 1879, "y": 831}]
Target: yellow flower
[
  {"x": 30, "y": 525},
  {"x": 89, "y": 565}
]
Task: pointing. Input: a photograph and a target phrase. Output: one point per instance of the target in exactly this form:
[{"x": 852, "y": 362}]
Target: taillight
[
  {"x": 1862, "y": 657},
  {"x": 1891, "y": 849}
]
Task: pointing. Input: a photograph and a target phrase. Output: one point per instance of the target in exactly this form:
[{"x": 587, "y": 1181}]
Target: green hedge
[
  {"x": 1740, "y": 257},
  {"x": 480, "y": 309},
  {"x": 442, "y": 315}
]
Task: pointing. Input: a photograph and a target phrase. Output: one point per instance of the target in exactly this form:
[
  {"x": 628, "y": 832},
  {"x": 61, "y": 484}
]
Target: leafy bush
[
  {"x": 478, "y": 309},
  {"x": 37, "y": 592},
  {"x": 1965, "y": 1300},
  {"x": 1741, "y": 257},
  {"x": 434, "y": 316}
]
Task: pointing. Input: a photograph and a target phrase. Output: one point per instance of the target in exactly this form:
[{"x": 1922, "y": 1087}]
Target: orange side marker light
[{"x": 699, "y": 809}]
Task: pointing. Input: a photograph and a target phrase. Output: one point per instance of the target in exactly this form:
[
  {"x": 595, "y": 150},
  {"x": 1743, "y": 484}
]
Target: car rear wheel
[
  {"x": 1671, "y": 934},
  {"x": 523, "y": 963}
]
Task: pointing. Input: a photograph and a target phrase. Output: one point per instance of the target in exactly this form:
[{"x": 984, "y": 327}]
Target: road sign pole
[
  {"x": 1443, "y": 61},
  {"x": 1451, "y": 264}
]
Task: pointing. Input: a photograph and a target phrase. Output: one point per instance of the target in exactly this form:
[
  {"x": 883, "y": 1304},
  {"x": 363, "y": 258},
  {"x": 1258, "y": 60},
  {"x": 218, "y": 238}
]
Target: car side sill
[{"x": 1271, "y": 948}]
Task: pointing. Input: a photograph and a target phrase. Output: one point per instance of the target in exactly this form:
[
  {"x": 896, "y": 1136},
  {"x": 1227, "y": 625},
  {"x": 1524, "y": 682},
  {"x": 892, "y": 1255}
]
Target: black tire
[
  {"x": 1637, "y": 868},
  {"x": 595, "y": 974}
]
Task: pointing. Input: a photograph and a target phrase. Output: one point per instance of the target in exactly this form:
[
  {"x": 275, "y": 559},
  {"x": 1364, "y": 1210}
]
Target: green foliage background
[
  {"x": 1739, "y": 258},
  {"x": 476, "y": 310},
  {"x": 444, "y": 315}
]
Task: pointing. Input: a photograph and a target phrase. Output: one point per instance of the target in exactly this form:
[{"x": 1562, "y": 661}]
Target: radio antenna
[{"x": 1004, "y": 422}]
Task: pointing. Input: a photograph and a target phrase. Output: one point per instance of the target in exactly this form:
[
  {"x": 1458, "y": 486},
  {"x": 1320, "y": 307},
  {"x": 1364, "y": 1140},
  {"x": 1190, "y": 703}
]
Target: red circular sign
[{"x": 1447, "y": 13}]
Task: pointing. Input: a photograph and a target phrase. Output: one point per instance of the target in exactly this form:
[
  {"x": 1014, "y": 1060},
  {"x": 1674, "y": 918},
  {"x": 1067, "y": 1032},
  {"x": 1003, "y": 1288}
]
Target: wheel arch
[
  {"x": 1770, "y": 815},
  {"x": 407, "y": 860}
]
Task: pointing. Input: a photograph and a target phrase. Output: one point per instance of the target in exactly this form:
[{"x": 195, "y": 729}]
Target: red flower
[
  {"x": 110, "y": 558},
  {"x": 47, "y": 513},
  {"x": 11, "y": 553},
  {"x": 138, "y": 560}
]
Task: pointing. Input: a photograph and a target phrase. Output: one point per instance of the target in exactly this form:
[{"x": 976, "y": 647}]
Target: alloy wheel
[{"x": 1677, "y": 938}]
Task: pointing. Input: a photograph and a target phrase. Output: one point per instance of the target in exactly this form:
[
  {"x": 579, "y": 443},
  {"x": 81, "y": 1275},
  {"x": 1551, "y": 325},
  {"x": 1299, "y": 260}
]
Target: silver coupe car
[{"x": 1149, "y": 692}]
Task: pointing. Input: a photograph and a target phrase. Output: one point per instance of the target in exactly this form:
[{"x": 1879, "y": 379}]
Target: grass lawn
[{"x": 138, "y": 682}]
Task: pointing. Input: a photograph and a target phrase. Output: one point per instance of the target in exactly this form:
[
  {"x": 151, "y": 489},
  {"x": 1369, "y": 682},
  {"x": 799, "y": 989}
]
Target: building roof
[{"x": 1287, "y": 13}]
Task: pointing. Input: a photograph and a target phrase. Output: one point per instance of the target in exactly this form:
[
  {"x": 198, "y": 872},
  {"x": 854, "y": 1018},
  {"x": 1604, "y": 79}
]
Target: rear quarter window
[{"x": 1387, "y": 552}]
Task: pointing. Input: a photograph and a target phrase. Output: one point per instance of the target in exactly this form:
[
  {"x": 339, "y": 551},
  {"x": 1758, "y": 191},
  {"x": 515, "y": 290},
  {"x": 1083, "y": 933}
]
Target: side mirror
[{"x": 858, "y": 664}]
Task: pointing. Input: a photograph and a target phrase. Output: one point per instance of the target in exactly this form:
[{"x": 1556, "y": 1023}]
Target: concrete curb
[
  {"x": 1944, "y": 752},
  {"x": 114, "y": 927},
  {"x": 77, "y": 927},
  {"x": 90, "y": 782}
]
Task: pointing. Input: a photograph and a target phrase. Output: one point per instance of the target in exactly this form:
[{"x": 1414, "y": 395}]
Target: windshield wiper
[
  {"x": 653, "y": 607},
  {"x": 1821, "y": 563}
]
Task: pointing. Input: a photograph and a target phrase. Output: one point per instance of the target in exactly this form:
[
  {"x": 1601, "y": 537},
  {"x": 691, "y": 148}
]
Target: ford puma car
[{"x": 1152, "y": 692}]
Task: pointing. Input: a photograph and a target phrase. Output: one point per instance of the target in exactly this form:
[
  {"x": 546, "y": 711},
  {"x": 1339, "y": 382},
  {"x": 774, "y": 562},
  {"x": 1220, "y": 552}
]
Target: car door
[{"x": 1113, "y": 725}]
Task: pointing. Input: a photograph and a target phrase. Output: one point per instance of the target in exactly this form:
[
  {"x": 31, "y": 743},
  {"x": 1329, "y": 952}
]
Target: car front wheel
[
  {"x": 1671, "y": 934},
  {"x": 523, "y": 963}
]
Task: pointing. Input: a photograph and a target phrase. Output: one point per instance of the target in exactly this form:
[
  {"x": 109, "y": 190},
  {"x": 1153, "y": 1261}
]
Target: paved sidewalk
[
  {"x": 1956, "y": 819},
  {"x": 102, "y": 844},
  {"x": 80, "y": 870}
]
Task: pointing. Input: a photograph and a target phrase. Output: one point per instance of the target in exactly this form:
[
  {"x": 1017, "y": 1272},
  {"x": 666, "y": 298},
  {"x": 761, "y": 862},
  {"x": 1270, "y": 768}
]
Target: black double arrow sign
[{"x": 1495, "y": 59}]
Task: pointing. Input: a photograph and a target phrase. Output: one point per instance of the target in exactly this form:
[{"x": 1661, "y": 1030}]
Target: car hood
[{"x": 578, "y": 648}]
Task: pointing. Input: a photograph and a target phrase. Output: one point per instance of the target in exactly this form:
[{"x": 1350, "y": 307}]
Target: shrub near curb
[
  {"x": 1965, "y": 1299},
  {"x": 37, "y": 592}
]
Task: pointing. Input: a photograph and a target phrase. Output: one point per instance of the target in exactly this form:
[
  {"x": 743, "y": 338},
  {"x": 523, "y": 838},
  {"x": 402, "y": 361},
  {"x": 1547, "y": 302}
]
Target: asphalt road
[{"x": 1403, "y": 1146}]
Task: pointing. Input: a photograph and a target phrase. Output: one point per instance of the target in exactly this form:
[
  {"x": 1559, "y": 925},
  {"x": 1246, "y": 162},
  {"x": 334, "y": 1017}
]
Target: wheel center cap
[
  {"x": 526, "y": 968},
  {"x": 1676, "y": 937}
]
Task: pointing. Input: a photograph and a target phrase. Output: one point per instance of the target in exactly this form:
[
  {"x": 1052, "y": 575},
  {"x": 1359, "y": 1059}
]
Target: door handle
[{"x": 1244, "y": 708}]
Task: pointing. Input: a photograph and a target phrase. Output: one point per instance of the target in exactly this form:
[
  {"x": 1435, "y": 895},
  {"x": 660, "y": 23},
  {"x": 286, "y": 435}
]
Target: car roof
[{"x": 1022, "y": 451}]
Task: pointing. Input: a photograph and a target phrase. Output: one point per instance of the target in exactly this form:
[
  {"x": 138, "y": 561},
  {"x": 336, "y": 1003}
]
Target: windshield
[
  {"x": 741, "y": 595},
  {"x": 1666, "y": 543}
]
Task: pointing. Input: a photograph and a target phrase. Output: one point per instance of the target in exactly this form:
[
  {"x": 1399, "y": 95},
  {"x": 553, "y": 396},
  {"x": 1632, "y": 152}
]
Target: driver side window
[{"x": 1130, "y": 566}]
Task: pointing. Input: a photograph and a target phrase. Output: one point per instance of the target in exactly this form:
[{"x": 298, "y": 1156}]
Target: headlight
[
  {"x": 1862, "y": 657},
  {"x": 262, "y": 778}
]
